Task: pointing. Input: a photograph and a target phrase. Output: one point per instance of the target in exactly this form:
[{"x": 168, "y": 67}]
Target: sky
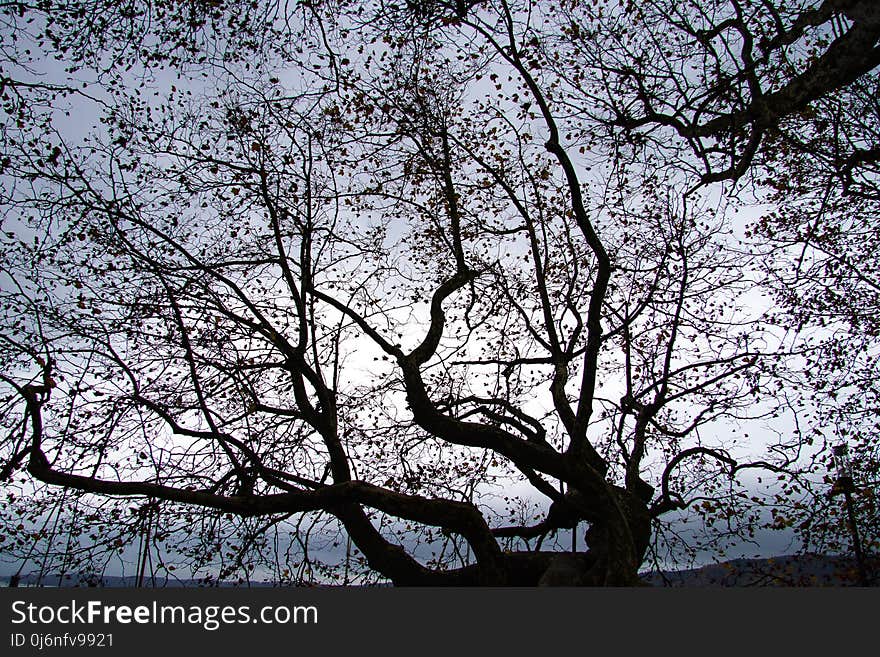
[{"x": 768, "y": 543}]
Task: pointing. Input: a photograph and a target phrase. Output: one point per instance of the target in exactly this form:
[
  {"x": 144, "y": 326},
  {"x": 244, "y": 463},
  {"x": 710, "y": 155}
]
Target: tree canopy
[{"x": 402, "y": 290}]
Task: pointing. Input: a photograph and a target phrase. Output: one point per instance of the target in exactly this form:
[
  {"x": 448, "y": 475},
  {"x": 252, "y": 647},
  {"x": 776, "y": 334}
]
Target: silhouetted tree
[{"x": 435, "y": 280}]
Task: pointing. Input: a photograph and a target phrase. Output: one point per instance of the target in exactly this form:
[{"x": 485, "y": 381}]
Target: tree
[
  {"x": 820, "y": 244},
  {"x": 725, "y": 77},
  {"x": 420, "y": 278}
]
